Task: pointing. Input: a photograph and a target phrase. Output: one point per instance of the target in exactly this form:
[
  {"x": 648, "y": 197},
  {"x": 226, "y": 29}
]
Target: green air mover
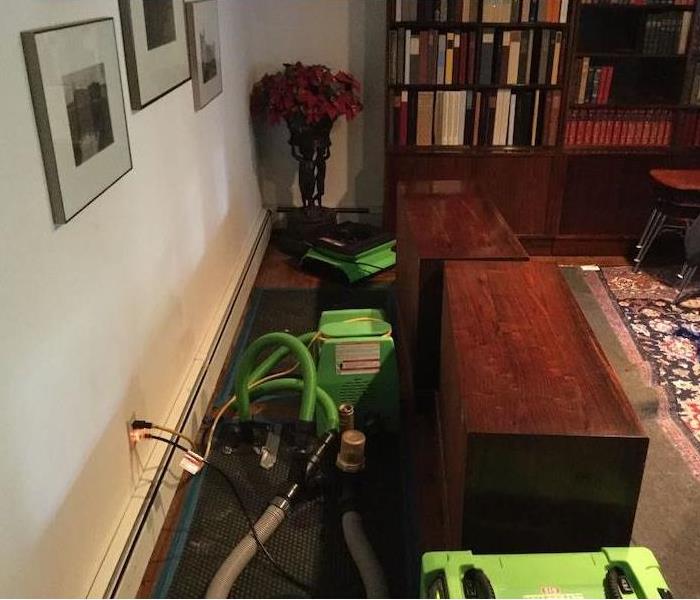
[
  {"x": 610, "y": 573},
  {"x": 352, "y": 251},
  {"x": 357, "y": 364}
]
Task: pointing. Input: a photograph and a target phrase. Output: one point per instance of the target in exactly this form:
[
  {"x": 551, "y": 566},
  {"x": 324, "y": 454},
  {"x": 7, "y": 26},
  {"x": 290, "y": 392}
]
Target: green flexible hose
[
  {"x": 276, "y": 356},
  {"x": 297, "y": 385},
  {"x": 247, "y": 368}
]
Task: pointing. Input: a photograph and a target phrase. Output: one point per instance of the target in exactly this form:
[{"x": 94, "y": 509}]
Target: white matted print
[
  {"x": 76, "y": 90},
  {"x": 205, "y": 50},
  {"x": 155, "y": 48}
]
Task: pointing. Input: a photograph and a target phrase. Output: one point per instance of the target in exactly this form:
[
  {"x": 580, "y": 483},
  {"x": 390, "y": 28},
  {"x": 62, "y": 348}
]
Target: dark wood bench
[
  {"x": 440, "y": 221},
  {"x": 542, "y": 450}
]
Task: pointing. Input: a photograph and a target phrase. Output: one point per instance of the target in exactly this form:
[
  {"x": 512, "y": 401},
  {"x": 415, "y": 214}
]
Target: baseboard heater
[{"x": 125, "y": 563}]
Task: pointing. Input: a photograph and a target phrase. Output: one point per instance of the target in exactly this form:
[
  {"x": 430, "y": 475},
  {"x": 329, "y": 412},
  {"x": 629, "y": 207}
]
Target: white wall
[
  {"x": 342, "y": 34},
  {"x": 100, "y": 318}
]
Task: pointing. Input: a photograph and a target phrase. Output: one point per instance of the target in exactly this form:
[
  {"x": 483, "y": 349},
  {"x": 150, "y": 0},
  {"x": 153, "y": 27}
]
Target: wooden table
[
  {"x": 541, "y": 448},
  {"x": 437, "y": 222}
]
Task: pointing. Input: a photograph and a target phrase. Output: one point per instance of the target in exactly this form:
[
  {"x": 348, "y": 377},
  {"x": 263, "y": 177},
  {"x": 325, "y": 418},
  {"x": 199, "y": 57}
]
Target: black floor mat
[{"x": 309, "y": 544}]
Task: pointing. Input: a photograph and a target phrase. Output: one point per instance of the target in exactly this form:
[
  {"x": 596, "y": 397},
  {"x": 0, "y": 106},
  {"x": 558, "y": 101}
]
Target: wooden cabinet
[
  {"x": 439, "y": 222},
  {"x": 542, "y": 450}
]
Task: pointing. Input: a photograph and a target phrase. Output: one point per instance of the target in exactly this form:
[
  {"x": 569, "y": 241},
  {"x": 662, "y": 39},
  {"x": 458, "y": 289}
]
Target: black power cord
[{"x": 251, "y": 525}]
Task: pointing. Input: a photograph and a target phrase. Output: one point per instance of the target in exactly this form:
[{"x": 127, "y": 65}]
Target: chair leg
[
  {"x": 656, "y": 229},
  {"x": 687, "y": 278},
  {"x": 647, "y": 228}
]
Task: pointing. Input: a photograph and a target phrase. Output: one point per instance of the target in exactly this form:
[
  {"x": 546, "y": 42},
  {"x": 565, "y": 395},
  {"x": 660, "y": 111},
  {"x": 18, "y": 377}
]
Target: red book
[
  {"x": 646, "y": 129},
  {"x": 570, "y": 134},
  {"x": 403, "y": 120},
  {"x": 617, "y": 130},
  {"x": 607, "y": 129},
  {"x": 597, "y": 137},
  {"x": 624, "y": 131},
  {"x": 580, "y": 138},
  {"x": 588, "y": 131},
  {"x": 696, "y": 138},
  {"x": 654, "y": 131},
  {"x": 638, "y": 127},
  {"x": 463, "y": 56},
  {"x": 667, "y": 131},
  {"x": 605, "y": 84}
]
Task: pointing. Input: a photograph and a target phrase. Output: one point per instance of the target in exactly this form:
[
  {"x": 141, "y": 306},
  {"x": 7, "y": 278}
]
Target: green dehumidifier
[
  {"x": 350, "y": 251},
  {"x": 610, "y": 573},
  {"x": 357, "y": 364}
]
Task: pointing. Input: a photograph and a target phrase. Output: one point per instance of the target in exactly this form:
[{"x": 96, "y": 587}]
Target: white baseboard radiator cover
[{"x": 125, "y": 562}]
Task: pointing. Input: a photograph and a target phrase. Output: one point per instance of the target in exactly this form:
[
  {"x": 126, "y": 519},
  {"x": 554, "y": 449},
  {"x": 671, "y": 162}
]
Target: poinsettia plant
[{"x": 306, "y": 95}]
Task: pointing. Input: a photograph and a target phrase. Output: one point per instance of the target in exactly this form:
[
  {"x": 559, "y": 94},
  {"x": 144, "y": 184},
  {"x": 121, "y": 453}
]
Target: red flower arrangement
[{"x": 306, "y": 95}]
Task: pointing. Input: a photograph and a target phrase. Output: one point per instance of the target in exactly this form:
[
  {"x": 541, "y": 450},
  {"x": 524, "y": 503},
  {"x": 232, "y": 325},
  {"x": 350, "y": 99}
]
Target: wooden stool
[{"x": 677, "y": 204}]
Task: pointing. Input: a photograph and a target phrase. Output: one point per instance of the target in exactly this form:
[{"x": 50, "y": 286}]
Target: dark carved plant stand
[{"x": 311, "y": 146}]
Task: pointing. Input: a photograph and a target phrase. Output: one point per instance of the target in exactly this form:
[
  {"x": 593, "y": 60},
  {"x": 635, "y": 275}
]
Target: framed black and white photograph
[
  {"x": 155, "y": 48},
  {"x": 76, "y": 90},
  {"x": 205, "y": 50}
]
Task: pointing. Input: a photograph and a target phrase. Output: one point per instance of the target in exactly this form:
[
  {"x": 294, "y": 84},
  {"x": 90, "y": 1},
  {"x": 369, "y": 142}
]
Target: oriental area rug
[{"x": 663, "y": 340}]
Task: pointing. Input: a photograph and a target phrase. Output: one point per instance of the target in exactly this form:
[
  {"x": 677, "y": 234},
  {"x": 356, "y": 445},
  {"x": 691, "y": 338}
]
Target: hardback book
[
  {"x": 486, "y": 64},
  {"x": 400, "y": 55},
  {"x": 583, "y": 79},
  {"x": 403, "y": 119},
  {"x": 442, "y": 47},
  {"x": 535, "y": 119},
  {"x": 523, "y": 58},
  {"x": 511, "y": 119},
  {"x": 412, "y": 111},
  {"x": 544, "y": 51},
  {"x": 476, "y": 119},
  {"x": 449, "y": 57},
  {"x": 414, "y": 66},
  {"x": 437, "y": 117},
  {"x": 423, "y": 56},
  {"x": 424, "y": 127},
  {"x": 393, "y": 53},
  {"x": 513, "y": 58},
  {"x": 409, "y": 10},
  {"x": 555, "y": 58},
  {"x": 407, "y": 58},
  {"x": 502, "y": 58}
]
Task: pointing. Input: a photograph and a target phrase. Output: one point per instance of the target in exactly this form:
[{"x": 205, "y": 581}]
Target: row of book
[
  {"x": 592, "y": 84},
  {"x": 473, "y": 118},
  {"x": 629, "y": 127},
  {"x": 510, "y": 57},
  {"x": 687, "y": 131},
  {"x": 667, "y": 33},
  {"x": 642, "y": 2},
  {"x": 492, "y": 11}
]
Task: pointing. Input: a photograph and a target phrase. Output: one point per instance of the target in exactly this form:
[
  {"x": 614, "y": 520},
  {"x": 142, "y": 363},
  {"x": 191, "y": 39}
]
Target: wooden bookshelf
[{"x": 567, "y": 195}]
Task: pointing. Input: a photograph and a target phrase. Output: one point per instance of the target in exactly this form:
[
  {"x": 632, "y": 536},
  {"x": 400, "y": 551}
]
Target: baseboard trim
[{"x": 130, "y": 549}]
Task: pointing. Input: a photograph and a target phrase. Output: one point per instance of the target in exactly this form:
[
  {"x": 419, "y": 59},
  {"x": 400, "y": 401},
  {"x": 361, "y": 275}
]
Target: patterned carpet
[{"x": 663, "y": 340}]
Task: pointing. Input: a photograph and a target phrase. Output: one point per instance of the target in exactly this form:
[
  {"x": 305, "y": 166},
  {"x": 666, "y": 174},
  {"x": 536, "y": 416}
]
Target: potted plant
[{"x": 309, "y": 99}]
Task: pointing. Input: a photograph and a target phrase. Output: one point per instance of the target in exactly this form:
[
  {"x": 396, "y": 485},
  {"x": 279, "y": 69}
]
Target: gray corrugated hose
[
  {"x": 243, "y": 553},
  {"x": 365, "y": 559}
]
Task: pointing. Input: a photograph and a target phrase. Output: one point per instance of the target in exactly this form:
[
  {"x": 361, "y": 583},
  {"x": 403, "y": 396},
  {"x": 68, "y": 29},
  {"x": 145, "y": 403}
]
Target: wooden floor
[{"x": 280, "y": 271}]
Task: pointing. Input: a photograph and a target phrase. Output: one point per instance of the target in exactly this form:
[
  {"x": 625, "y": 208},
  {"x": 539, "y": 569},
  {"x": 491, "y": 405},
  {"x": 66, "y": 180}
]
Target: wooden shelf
[
  {"x": 614, "y": 106},
  {"x": 617, "y": 150},
  {"x": 473, "y": 150},
  {"x": 638, "y": 7},
  {"x": 472, "y": 86},
  {"x": 633, "y": 55},
  {"x": 440, "y": 25}
]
